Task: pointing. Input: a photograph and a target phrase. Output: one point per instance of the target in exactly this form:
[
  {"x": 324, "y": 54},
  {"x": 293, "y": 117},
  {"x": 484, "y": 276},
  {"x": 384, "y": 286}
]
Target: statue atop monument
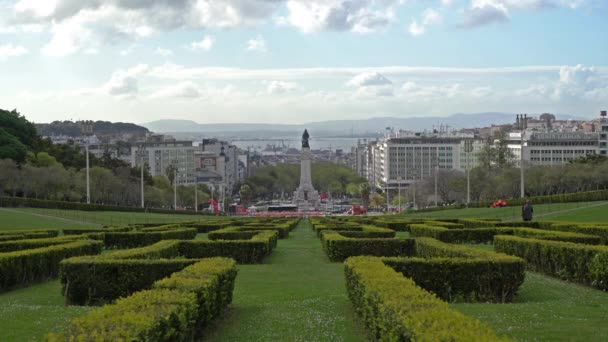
[
  {"x": 305, "y": 137},
  {"x": 305, "y": 196}
]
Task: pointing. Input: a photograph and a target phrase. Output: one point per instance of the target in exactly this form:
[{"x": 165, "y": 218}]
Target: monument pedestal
[{"x": 305, "y": 196}]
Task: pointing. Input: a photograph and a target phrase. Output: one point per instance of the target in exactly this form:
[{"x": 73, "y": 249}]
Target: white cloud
[
  {"x": 257, "y": 44},
  {"x": 362, "y": 16},
  {"x": 10, "y": 50},
  {"x": 417, "y": 92},
  {"x": 482, "y": 91},
  {"x": 484, "y": 12},
  {"x": 163, "y": 52},
  {"x": 68, "y": 37},
  {"x": 430, "y": 17},
  {"x": 184, "y": 90},
  {"x": 280, "y": 87},
  {"x": 124, "y": 83},
  {"x": 416, "y": 29},
  {"x": 369, "y": 79},
  {"x": 205, "y": 44}
]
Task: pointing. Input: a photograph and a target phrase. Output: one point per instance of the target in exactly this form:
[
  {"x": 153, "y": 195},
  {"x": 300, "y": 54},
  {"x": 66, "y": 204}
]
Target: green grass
[
  {"x": 592, "y": 214},
  {"x": 296, "y": 295},
  {"x": 112, "y": 217},
  {"x": 13, "y": 221},
  {"x": 541, "y": 212},
  {"x": 547, "y": 309},
  {"x": 28, "y": 314}
]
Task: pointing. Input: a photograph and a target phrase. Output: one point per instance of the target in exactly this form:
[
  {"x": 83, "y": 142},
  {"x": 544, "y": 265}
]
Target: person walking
[{"x": 526, "y": 211}]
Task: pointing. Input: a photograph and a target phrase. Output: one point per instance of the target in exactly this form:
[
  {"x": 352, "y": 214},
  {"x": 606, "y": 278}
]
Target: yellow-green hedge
[
  {"x": 394, "y": 308},
  {"x": 585, "y": 264}
]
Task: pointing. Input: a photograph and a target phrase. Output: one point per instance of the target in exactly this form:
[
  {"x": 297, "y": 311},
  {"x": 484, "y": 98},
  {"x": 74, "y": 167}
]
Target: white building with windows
[
  {"x": 159, "y": 156},
  {"x": 410, "y": 157},
  {"x": 552, "y": 148}
]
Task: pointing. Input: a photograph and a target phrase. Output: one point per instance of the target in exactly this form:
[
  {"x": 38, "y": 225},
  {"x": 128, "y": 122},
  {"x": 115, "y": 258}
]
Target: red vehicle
[
  {"x": 499, "y": 204},
  {"x": 357, "y": 210}
]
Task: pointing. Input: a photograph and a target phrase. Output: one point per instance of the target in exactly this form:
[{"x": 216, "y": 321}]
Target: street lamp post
[
  {"x": 86, "y": 128},
  {"x": 88, "y": 177},
  {"x": 521, "y": 165},
  {"x": 435, "y": 185},
  {"x": 399, "y": 192},
  {"x": 141, "y": 151}
]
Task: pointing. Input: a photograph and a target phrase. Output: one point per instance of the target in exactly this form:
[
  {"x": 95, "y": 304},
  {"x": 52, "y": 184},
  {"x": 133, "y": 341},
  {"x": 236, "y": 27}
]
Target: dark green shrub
[
  {"x": 338, "y": 247},
  {"x": 95, "y": 281},
  {"x": 24, "y": 267},
  {"x": 137, "y": 239}
]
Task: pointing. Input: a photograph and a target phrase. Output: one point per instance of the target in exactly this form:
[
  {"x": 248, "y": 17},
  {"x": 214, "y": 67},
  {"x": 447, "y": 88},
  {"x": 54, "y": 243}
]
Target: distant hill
[
  {"x": 100, "y": 128},
  {"x": 339, "y": 127}
]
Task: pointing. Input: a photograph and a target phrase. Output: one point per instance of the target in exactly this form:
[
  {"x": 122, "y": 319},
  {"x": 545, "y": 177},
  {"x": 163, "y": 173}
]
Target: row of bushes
[
  {"x": 29, "y": 234},
  {"x": 123, "y": 240},
  {"x": 19, "y": 245},
  {"x": 585, "y": 264},
  {"x": 98, "y": 280},
  {"x": 20, "y": 268},
  {"x": 394, "y": 308},
  {"x": 6, "y": 201},
  {"x": 175, "y": 309},
  {"x": 339, "y": 247},
  {"x": 250, "y": 251},
  {"x": 485, "y": 235}
]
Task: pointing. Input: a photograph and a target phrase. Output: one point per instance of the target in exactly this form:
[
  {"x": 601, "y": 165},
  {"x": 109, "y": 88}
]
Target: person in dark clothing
[{"x": 526, "y": 211}]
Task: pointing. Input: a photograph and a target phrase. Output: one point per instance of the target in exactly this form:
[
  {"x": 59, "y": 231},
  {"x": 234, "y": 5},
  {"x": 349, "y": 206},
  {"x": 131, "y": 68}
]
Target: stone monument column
[{"x": 306, "y": 197}]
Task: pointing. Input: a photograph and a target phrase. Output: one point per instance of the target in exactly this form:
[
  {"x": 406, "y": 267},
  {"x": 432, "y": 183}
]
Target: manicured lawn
[
  {"x": 14, "y": 221},
  {"x": 547, "y": 309},
  {"x": 296, "y": 295},
  {"x": 113, "y": 218},
  {"x": 593, "y": 214},
  {"x": 541, "y": 211},
  {"x": 28, "y": 314}
]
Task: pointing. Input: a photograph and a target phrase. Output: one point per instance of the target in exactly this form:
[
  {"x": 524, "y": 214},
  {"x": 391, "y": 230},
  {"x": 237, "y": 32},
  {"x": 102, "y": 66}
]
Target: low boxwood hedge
[
  {"x": 338, "y": 247},
  {"x": 18, "y": 245},
  {"x": 95, "y": 281},
  {"x": 20, "y": 268},
  {"x": 585, "y": 264},
  {"x": 564, "y": 236},
  {"x": 467, "y": 235},
  {"x": 134, "y": 239},
  {"x": 394, "y": 308},
  {"x": 249, "y": 251},
  {"x": 28, "y": 234},
  {"x": 175, "y": 309}
]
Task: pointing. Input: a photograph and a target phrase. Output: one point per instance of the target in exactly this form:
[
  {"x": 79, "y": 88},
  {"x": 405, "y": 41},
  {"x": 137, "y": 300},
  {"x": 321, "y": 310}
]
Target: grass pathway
[{"x": 296, "y": 295}]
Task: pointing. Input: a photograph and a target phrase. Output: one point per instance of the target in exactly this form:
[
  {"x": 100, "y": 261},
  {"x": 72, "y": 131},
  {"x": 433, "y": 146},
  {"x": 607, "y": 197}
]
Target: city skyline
[{"x": 300, "y": 61}]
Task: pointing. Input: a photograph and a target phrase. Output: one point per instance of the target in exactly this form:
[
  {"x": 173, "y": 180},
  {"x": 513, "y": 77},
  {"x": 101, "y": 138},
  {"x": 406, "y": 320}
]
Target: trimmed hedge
[
  {"x": 585, "y": 264},
  {"x": 394, "y": 308},
  {"x": 206, "y": 227},
  {"x": 232, "y": 233},
  {"x": 243, "y": 251},
  {"x": 151, "y": 315},
  {"x": 212, "y": 280},
  {"x": 29, "y": 234},
  {"x": 162, "y": 249},
  {"x": 174, "y": 310},
  {"x": 370, "y": 232},
  {"x": 467, "y": 235},
  {"x": 122, "y": 240},
  {"x": 589, "y": 229},
  {"x": 18, "y": 245},
  {"x": 24, "y": 267},
  {"x": 338, "y": 247},
  {"x": 6, "y": 201},
  {"x": 557, "y": 236},
  {"x": 95, "y": 281}
]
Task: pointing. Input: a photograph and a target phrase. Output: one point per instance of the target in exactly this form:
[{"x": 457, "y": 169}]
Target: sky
[{"x": 298, "y": 61}]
